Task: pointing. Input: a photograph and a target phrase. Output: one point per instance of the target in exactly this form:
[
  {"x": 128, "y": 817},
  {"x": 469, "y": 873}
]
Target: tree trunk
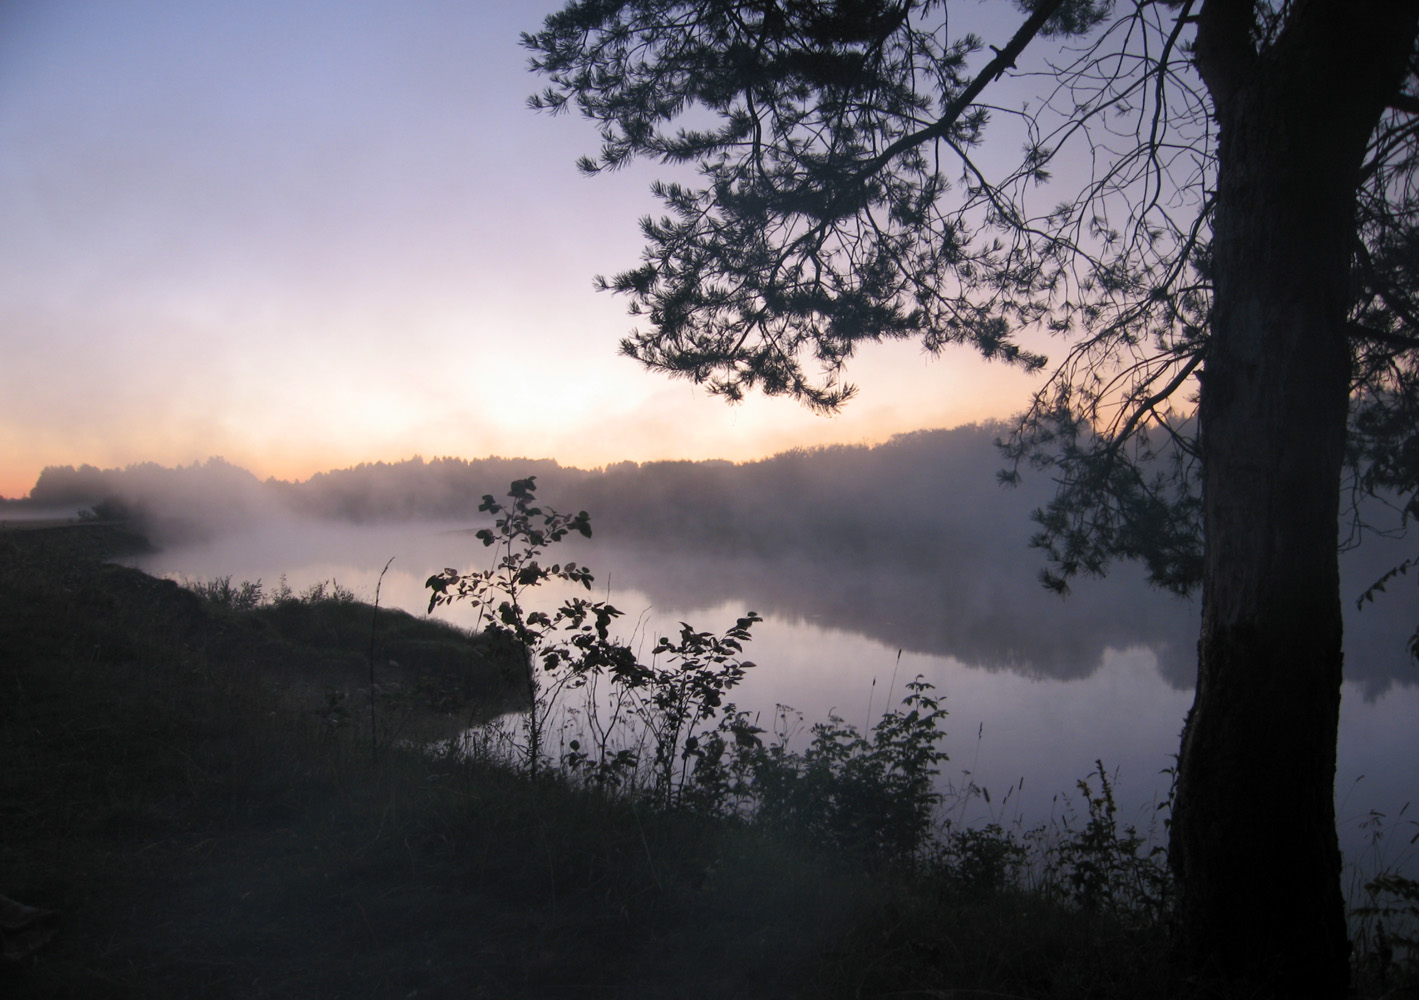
[{"x": 1254, "y": 844}]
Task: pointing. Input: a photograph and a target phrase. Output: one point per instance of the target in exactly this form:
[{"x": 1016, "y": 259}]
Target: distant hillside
[
  {"x": 912, "y": 540},
  {"x": 858, "y": 492},
  {"x": 215, "y": 495}
]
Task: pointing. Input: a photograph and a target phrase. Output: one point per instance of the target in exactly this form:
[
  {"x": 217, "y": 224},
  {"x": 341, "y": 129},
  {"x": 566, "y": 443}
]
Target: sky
[{"x": 304, "y": 234}]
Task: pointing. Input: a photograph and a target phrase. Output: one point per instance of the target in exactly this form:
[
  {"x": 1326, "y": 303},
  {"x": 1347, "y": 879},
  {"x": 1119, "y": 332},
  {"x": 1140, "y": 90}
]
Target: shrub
[
  {"x": 571, "y": 649},
  {"x": 1102, "y": 869},
  {"x": 874, "y": 796},
  {"x": 664, "y": 730},
  {"x": 221, "y": 593}
]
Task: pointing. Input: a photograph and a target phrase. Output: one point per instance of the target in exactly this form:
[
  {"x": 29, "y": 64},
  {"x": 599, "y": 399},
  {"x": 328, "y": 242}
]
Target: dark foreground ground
[{"x": 191, "y": 795}]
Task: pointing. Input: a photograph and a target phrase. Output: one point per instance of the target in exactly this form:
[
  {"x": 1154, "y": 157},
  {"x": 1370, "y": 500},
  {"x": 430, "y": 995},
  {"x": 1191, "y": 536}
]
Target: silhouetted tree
[{"x": 1232, "y": 275}]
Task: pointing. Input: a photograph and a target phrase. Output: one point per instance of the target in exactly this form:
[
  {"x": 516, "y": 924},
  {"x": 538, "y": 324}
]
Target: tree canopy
[{"x": 844, "y": 192}]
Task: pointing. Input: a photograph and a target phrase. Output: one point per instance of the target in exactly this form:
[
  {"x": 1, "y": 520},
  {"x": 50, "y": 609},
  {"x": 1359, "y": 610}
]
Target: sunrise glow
[{"x": 306, "y": 236}]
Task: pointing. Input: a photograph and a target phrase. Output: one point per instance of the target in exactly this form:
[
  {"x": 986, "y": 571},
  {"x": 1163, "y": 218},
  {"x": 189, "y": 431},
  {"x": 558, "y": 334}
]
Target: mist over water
[
  {"x": 1038, "y": 688},
  {"x": 869, "y": 565}
]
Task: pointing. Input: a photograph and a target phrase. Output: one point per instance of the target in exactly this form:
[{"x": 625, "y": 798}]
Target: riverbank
[{"x": 199, "y": 827}]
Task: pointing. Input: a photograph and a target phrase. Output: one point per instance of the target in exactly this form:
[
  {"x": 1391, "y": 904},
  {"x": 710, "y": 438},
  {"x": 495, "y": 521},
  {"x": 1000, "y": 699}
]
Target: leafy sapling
[
  {"x": 660, "y": 712},
  {"x": 566, "y": 644}
]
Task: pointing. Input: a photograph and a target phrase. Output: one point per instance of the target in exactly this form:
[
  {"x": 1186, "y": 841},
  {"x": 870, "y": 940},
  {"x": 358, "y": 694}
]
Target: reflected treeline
[
  {"x": 915, "y": 544},
  {"x": 912, "y": 543},
  {"x": 982, "y": 615},
  {"x": 991, "y": 614}
]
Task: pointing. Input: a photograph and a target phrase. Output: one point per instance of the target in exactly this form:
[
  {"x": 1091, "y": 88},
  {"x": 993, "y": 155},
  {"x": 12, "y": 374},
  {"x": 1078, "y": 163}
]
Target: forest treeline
[
  {"x": 913, "y": 542},
  {"x": 912, "y": 493}
]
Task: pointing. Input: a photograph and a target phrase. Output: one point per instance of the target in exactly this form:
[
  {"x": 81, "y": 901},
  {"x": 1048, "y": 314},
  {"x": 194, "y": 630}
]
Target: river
[{"x": 1038, "y": 688}]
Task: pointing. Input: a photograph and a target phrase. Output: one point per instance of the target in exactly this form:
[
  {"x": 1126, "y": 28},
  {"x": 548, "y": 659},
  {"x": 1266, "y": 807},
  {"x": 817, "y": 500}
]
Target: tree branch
[
  {"x": 994, "y": 70},
  {"x": 1408, "y": 103},
  {"x": 1396, "y": 340}
]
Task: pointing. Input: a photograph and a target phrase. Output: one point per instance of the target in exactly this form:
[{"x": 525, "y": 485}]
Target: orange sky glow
[{"x": 304, "y": 235}]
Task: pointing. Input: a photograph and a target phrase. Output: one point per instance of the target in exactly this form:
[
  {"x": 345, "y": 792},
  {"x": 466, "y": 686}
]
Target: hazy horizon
[
  {"x": 215, "y": 460},
  {"x": 307, "y": 234},
  {"x": 912, "y": 542}
]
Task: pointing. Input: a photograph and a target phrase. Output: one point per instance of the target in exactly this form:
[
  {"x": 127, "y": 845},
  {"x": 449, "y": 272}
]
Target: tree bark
[{"x": 1253, "y": 841}]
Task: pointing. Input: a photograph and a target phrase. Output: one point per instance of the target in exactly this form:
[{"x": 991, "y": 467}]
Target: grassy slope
[
  {"x": 201, "y": 838},
  {"x": 201, "y": 833}
]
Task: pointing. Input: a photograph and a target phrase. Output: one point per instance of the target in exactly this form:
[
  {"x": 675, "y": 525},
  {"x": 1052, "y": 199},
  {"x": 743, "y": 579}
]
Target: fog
[
  {"x": 869, "y": 565},
  {"x": 912, "y": 544}
]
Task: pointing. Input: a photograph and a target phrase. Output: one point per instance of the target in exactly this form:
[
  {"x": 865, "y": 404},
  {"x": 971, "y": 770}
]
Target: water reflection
[
  {"x": 989, "y": 613},
  {"x": 1038, "y": 687},
  {"x": 993, "y": 615}
]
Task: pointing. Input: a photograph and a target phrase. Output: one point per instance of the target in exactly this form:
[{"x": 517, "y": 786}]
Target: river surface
[{"x": 1038, "y": 688}]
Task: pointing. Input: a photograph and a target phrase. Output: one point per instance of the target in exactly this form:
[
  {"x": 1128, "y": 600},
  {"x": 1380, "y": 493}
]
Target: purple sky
[{"x": 305, "y": 234}]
